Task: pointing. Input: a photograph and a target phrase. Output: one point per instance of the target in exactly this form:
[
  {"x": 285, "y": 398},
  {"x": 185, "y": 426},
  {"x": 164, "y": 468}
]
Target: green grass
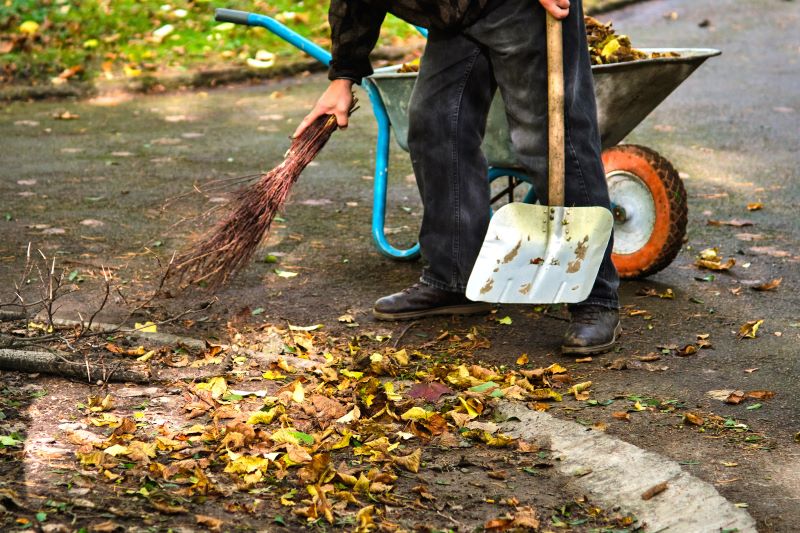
[{"x": 115, "y": 38}]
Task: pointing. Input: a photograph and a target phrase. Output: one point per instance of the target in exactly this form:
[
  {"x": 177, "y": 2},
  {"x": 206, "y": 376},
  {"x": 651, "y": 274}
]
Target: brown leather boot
[
  {"x": 593, "y": 329},
  {"x": 422, "y": 300}
]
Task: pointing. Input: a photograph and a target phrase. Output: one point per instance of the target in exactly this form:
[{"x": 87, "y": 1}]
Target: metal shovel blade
[{"x": 535, "y": 254}]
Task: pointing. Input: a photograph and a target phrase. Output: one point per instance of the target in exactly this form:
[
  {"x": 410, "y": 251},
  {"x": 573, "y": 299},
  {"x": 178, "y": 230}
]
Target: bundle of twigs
[{"x": 228, "y": 247}]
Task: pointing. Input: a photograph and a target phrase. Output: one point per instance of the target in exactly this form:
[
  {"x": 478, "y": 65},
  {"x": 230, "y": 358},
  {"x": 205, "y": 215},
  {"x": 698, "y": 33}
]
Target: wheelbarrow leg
[{"x": 381, "y": 179}]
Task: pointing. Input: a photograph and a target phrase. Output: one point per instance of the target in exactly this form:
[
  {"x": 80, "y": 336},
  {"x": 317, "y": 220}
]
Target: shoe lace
[{"x": 415, "y": 287}]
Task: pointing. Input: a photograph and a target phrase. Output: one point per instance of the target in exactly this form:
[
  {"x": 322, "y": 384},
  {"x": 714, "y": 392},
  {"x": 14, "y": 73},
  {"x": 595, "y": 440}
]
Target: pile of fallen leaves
[
  {"x": 606, "y": 47},
  {"x": 328, "y": 428}
]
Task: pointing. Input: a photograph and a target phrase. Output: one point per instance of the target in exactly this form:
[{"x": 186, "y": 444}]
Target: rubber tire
[{"x": 669, "y": 197}]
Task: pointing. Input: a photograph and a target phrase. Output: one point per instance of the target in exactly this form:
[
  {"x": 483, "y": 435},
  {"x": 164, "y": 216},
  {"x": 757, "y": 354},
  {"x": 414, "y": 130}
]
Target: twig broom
[{"x": 228, "y": 247}]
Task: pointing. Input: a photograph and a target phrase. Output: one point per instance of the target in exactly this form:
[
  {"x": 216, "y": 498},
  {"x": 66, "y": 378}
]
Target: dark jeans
[{"x": 458, "y": 77}]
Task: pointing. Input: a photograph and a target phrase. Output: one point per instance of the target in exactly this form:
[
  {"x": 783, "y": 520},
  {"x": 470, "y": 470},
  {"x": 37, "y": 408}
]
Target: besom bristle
[{"x": 229, "y": 246}]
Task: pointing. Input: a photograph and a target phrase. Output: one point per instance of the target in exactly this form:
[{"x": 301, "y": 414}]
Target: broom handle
[{"x": 555, "y": 109}]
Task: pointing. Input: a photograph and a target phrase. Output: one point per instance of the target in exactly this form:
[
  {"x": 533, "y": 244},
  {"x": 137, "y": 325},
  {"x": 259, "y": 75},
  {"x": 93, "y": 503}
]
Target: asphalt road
[{"x": 90, "y": 191}]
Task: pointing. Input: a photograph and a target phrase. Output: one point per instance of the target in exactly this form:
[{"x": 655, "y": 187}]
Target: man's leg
[
  {"x": 514, "y": 34},
  {"x": 447, "y": 118}
]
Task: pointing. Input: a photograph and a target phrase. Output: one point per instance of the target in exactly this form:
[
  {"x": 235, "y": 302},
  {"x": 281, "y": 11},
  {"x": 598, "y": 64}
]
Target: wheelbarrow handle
[
  {"x": 232, "y": 15},
  {"x": 555, "y": 110},
  {"x": 291, "y": 37}
]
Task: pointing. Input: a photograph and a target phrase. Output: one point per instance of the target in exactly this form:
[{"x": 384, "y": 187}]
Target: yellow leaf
[
  {"x": 132, "y": 72},
  {"x": 388, "y": 387},
  {"x": 522, "y": 359},
  {"x": 146, "y": 357},
  {"x": 555, "y": 368},
  {"x": 299, "y": 394},
  {"x": 105, "y": 419},
  {"x": 344, "y": 442},
  {"x": 579, "y": 388},
  {"x": 29, "y": 27},
  {"x": 472, "y": 406},
  {"x": 147, "y": 327},
  {"x": 750, "y": 329},
  {"x": 262, "y": 417},
  {"x": 217, "y": 386},
  {"x": 351, "y": 374},
  {"x": 116, "y": 450},
  {"x": 247, "y": 464},
  {"x": 416, "y": 413},
  {"x": 609, "y": 49}
]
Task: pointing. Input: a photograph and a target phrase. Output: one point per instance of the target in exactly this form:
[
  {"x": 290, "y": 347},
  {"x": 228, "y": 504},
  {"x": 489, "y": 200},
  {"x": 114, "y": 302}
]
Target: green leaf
[
  {"x": 305, "y": 438},
  {"x": 269, "y": 258},
  {"x": 41, "y": 517},
  {"x": 285, "y": 273},
  {"x": 6, "y": 440},
  {"x": 506, "y": 321},
  {"x": 754, "y": 406},
  {"x": 279, "y": 520},
  {"x": 257, "y": 311},
  {"x": 73, "y": 275}
]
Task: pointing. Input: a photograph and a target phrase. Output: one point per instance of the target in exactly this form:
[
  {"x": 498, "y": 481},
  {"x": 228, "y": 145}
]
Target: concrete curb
[{"x": 616, "y": 473}]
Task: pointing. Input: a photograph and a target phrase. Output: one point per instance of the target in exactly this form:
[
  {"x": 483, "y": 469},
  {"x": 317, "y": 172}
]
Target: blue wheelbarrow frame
[{"x": 626, "y": 94}]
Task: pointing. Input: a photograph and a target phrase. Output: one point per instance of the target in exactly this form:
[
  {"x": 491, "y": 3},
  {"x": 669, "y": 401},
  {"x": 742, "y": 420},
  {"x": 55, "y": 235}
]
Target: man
[{"x": 474, "y": 48}]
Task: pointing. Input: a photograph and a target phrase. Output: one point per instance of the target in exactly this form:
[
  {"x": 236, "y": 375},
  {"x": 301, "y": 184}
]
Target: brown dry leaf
[
  {"x": 654, "y": 490},
  {"x": 213, "y": 524},
  {"x": 105, "y": 527},
  {"x": 693, "y": 419},
  {"x": 735, "y": 397},
  {"x": 768, "y": 286},
  {"x": 167, "y": 508},
  {"x": 749, "y": 329},
  {"x": 649, "y": 357},
  {"x": 736, "y": 222},
  {"x": 409, "y": 462},
  {"x": 668, "y": 294},
  {"x": 689, "y": 349},
  {"x": 618, "y": 364},
  {"x": 755, "y": 206},
  {"x": 760, "y": 394},
  {"x": 621, "y": 415},
  {"x": 526, "y": 518},
  {"x": 584, "y": 360},
  {"x": 769, "y": 250},
  {"x": 498, "y": 474},
  {"x": 717, "y": 265}
]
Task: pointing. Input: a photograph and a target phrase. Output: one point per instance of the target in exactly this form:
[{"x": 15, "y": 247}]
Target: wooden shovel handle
[{"x": 555, "y": 109}]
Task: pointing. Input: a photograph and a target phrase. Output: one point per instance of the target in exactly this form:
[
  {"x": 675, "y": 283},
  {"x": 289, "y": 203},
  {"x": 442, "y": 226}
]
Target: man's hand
[
  {"x": 558, "y": 8},
  {"x": 336, "y": 100}
]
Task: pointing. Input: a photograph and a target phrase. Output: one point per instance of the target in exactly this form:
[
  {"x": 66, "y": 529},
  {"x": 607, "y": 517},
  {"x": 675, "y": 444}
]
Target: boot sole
[
  {"x": 593, "y": 350},
  {"x": 472, "y": 309}
]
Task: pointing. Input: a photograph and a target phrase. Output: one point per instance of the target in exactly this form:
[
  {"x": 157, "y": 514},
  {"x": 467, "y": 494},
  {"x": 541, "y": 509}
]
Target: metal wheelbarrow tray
[{"x": 648, "y": 199}]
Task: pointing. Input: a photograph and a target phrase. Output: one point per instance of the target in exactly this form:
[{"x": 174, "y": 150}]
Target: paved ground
[{"x": 98, "y": 183}]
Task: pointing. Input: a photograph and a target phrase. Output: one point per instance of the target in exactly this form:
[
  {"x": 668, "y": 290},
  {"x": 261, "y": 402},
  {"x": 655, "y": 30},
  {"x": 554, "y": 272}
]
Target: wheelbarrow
[{"x": 648, "y": 200}]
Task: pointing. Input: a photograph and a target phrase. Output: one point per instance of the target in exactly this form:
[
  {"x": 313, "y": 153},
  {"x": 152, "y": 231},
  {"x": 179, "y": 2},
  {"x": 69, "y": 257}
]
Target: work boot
[
  {"x": 422, "y": 300},
  {"x": 593, "y": 329}
]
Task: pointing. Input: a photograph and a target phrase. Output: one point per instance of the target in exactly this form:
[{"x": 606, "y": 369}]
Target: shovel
[{"x": 535, "y": 254}]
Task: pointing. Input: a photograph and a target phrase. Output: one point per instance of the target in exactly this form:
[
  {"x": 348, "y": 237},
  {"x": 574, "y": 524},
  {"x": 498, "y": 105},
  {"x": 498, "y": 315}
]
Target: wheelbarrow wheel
[{"x": 650, "y": 210}]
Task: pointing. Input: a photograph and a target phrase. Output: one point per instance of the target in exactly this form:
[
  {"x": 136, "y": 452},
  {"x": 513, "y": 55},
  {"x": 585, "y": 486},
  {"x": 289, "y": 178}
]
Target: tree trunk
[{"x": 62, "y": 365}]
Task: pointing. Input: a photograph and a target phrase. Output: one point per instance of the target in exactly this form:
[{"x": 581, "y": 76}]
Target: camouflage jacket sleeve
[{"x": 355, "y": 27}]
